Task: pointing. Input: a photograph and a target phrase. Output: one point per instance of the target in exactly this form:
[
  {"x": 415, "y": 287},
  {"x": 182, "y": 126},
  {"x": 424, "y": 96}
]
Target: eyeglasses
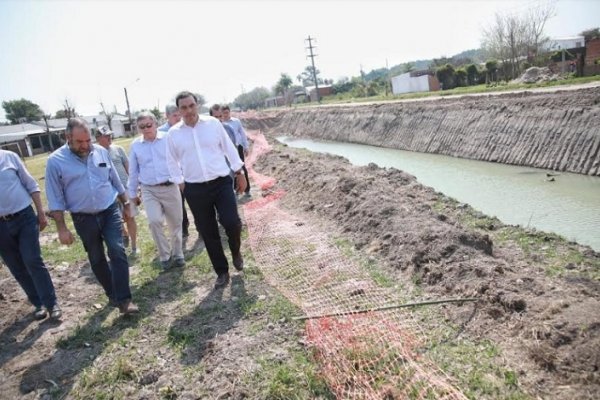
[{"x": 146, "y": 126}]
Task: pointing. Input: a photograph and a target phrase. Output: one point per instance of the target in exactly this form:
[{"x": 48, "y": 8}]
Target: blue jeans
[
  {"x": 20, "y": 250},
  {"x": 95, "y": 230}
]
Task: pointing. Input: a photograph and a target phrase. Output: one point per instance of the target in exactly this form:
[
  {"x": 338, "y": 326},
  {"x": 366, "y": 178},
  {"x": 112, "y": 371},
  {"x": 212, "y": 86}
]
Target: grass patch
[{"x": 297, "y": 378}]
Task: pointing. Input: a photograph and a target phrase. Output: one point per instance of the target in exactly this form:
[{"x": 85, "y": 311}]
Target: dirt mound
[
  {"x": 537, "y": 74},
  {"x": 548, "y": 327}
]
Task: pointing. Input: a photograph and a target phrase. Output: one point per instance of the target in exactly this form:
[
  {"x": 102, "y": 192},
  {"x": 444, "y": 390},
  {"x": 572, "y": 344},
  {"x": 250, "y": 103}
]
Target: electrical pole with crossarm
[{"x": 312, "y": 60}]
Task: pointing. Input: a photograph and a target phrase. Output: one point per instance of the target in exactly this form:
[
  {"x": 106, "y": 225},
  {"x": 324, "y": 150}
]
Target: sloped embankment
[{"x": 558, "y": 130}]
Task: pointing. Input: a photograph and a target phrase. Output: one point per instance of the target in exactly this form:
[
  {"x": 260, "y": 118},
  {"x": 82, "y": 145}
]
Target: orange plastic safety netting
[{"x": 371, "y": 355}]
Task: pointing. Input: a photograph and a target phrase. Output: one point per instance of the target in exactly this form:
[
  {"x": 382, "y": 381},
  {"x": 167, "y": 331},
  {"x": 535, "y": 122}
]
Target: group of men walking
[{"x": 191, "y": 159}]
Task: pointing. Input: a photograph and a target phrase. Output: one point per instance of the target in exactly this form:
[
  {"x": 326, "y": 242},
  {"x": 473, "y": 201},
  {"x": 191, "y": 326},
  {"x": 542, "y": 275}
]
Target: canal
[{"x": 564, "y": 203}]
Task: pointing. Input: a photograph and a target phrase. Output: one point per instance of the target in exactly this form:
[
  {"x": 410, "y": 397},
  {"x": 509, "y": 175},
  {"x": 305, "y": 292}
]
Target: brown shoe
[
  {"x": 222, "y": 280},
  {"x": 128, "y": 308}
]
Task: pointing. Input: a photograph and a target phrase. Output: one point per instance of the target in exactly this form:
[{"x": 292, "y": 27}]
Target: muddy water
[{"x": 568, "y": 206}]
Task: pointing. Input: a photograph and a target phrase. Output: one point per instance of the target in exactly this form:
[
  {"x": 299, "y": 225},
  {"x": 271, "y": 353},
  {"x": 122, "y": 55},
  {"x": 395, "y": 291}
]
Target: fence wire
[{"x": 372, "y": 355}]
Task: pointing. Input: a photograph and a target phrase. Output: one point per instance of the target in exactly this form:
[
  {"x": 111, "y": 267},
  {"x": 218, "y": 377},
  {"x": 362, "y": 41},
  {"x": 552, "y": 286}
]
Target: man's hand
[
  {"x": 136, "y": 200},
  {"x": 43, "y": 221},
  {"x": 65, "y": 237},
  {"x": 126, "y": 211},
  {"x": 241, "y": 183},
  {"x": 182, "y": 186}
]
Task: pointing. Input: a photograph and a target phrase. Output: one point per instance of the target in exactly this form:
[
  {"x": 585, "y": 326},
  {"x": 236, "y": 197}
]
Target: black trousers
[
  {"x": 186, "y": 222},
  {"x": 241, "y": 153},
  {"x": 206, "y": 201}
]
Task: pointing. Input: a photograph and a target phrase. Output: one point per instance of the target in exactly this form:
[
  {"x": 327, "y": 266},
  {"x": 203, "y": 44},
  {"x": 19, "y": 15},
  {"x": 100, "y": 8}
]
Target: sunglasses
[{"x": 145, "y": 126}]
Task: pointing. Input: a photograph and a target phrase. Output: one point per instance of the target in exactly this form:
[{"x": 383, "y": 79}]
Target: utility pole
[
  {"x": 128, "y": 111},
  {"x": 312, "y": 60}
]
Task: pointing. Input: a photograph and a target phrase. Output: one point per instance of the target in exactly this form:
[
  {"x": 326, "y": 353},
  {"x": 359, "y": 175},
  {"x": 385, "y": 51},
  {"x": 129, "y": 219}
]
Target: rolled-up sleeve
[
  {"x": 173, "y": 161},
  {"x": 26, "y": 179},
  {"x": 54, "y": 191}
]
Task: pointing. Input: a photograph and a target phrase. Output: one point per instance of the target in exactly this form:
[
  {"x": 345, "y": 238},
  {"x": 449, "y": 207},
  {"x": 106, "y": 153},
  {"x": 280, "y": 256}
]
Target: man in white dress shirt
[
  {"x": 162, "y": 200},
  {"x": 198, "y": 152}
]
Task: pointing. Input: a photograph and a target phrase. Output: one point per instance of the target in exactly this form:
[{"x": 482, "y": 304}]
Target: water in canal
[{"x": 568, "y": 206}]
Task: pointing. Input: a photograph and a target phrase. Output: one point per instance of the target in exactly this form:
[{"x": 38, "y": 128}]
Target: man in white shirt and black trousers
[{"x": 197, "y": 150}]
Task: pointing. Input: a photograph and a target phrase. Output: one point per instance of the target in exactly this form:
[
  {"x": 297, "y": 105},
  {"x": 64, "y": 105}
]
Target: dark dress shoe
[
  {"x": 238, "y": 262},
  {"x": 128, "y": 308},
  {"x": 40, "y": 313},
  {"x": 55, "y": 312},
  {"x": 222, "y": 280}
]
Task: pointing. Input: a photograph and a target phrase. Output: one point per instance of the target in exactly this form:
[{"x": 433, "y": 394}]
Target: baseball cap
[{"x": 104, "y": 131}]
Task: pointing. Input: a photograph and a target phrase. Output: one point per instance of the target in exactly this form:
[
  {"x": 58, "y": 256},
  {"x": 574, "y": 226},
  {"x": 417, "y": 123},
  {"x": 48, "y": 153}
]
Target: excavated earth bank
[
  {"x": 539, "y": 295},
  {"x": 554, "y": 130}
]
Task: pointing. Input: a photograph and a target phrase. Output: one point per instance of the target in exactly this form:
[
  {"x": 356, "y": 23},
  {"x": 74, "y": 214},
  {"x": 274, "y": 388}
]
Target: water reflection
[{"x": 564, "y": 203}]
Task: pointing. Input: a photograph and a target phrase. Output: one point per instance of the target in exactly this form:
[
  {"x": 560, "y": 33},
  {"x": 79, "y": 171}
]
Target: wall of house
[
  {"x": 556, "y": 130},
  {"x": 406, "y": 84}
]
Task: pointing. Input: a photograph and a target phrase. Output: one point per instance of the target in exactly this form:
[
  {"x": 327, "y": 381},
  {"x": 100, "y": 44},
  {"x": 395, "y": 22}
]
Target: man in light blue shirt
[
  {"x": 148, "y": 170},
  {"x": 241, "y": 140},
  {"x": 20, "y": 235},
  {"x": 81, "y": 178},
  {"x": 174, "y": 116}
]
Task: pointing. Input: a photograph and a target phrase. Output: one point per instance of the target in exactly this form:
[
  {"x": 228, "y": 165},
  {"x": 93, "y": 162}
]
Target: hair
[
  {"x": 214, "y": 107},
  {"x": 76, "y": 123},
  {"x": 170, "y": 109},
  {"x": 183, "y": 95},
  {"x": 225, "y": 107},
  {"x": 145, "y": 114}
]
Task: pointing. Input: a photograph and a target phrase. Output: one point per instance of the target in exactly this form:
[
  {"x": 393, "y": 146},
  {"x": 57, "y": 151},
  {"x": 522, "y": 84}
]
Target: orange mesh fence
[{"x": 372, "y": 355}]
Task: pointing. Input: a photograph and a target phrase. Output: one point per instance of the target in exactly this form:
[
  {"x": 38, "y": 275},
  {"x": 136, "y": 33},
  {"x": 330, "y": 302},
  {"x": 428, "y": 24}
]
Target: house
[
  {"x": 592, "y": 57},
  {"x": 415, "y": 81},
  {"x": 324, "y": 90},
  {"x": 28, "y": 139},
  {"x": 566, "y": 43},
  {"x": 275, "y": 101},
  {"x": 119, "y": 123}
]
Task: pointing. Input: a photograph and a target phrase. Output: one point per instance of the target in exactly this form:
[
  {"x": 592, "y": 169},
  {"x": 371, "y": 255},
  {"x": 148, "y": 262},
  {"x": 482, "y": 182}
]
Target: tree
[
  {"x": 22, "y": 110},
  {"x": 253, "y": 99},
  {"x": 408, "y": 67},
  {"x": 156, "y": 112},
  {"x": 461, "y": 77},
  {"x": 472, "y": 74},
  {"x": 512, "y": 38},
  {"x": 283, "y": 84},
  {"x": 447, "y": 76},
  {"x": 491, "y": 66},
  {"x": 306, "y": 77},
  {"x": 590, "y": 34},
  {"x": 107, "y": 115},
  {"x": 200, "y": 100}
]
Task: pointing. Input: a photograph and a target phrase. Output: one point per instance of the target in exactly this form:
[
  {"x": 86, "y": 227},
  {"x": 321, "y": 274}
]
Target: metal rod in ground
[{"x": 405, "y": 305}]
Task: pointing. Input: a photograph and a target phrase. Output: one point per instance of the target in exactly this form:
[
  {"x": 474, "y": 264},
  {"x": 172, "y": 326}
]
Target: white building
[
  {"x": 417, "y": 81},
  {"x": 565, "y": 43}
]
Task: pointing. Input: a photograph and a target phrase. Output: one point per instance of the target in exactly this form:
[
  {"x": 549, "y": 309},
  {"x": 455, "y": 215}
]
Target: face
[
  {"x": 189, "y": 110},
  {"x": 226, "y": 115},
  {"x": 147, "y": 127},
  {"x": 80, "y": 141},
  {"x": 217, "y": 114},
  {"x": 174, "y": 117},
  {"x": 104, "y": 140}
]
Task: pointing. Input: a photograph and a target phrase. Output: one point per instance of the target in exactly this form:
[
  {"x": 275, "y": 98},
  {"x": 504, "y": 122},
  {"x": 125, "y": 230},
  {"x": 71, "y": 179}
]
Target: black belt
[
  {"x": 207, "y": 182},
  {"x": 12, "y": 216},
  {"x": 167, "y": 183}
]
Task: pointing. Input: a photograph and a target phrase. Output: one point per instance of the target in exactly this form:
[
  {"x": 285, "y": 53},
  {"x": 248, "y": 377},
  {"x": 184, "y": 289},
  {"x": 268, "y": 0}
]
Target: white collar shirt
[{"x": 200, "y": 153}]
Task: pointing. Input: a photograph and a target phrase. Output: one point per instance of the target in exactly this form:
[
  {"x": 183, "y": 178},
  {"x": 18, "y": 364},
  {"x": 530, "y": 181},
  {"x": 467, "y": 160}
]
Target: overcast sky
[{"x": 88, "y": 51}]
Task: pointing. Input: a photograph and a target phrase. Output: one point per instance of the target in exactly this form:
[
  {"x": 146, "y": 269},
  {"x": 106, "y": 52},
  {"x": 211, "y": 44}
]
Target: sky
[{"x": 89, "y": 51}]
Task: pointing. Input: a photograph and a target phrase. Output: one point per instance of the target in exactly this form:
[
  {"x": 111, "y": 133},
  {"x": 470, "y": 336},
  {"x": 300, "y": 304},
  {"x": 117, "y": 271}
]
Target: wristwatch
[{"x": 126, "y": 203}]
